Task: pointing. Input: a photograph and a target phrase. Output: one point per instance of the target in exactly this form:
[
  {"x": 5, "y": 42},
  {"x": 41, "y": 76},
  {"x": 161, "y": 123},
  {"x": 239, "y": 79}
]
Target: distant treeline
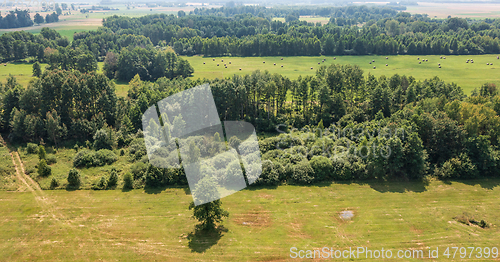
[
  {"x": 21, "y": 18},
  {"x": 357, "y": 13},
  {"x": 246, "y": 35}
]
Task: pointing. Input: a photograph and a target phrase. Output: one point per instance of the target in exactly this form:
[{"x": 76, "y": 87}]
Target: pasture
[
  {"x": 264, "y": 223},
  {"x": 453, "y": 68}
]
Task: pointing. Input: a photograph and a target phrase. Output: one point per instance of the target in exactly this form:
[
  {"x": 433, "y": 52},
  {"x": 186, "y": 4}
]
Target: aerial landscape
[{"x": 249, "y": 131}]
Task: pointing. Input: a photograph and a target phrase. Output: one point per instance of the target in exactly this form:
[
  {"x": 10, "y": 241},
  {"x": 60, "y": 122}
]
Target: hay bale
[
  {"x": 418, "y": 58},
  {"x": 373, "y": 61},
  {"x": 386, "y": 57},
  {"x": 240, "y": 69},
  {"x": 440, "y": 57},
  {"x": 334, "y": 58},
  {"x": 222, "y": 60},
  {"x": 213, "y": 59},
  {"x": 263, "y": 62},
  {"x": 439, "y": 66},
  {"x": 217, "y": 64},
  {"x": 487, "y": 63},
  {"x": 467, "y": 62},
  {"x": 419, "y": 63},
  {"x": 374, "y": 67},
  {"x": 274, "y": 63},
  {"x": 370, "y": 63},
  {"x": 225, "y": 67},
  {"x": 311, "y": 68},
  {"x": 444, "y": 57},
  {"x": 282, "y": 58},
  {"x": 319, "y": 63},
  {"x": 229, "y": 62},
  {"x": 203, "y": 62},
  {"x": 281, "y": 65},
  {"x": 224, "y": 64},
  {"x": 386, "y": 65}
]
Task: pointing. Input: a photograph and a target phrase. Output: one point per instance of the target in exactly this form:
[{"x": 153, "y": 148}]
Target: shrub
[
  {"x": 51, "y": 160},
  {"x": 88, "y": 158},
  {"x": 113, "y": 178},
  {"x": 233, "y": 173},
  {"x": 138, "y": 170},
  {"x": 54, "y": 183},
  {"x": 137, "y": 148},
  {"x": 458, "y": 167},
  {"x": 101, "y": 184},
  {"x": 322, "y": 167},
  {"x": 43, "y": 169},
  {"x": 302, "y": 173},
  {"x": 271, "y": 172},
  {"x": 122, "y": 152},
  {"x": 128, "y": 181},
  {"x": 74, "y": 178},
  {"x": 32, "y": 148},
  {"x": 41, "y": 152}
]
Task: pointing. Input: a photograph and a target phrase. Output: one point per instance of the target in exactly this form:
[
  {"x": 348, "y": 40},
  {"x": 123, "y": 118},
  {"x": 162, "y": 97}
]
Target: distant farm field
[
  {"x": 263, "y": 225},
  {"x": 453, "y": 68}
]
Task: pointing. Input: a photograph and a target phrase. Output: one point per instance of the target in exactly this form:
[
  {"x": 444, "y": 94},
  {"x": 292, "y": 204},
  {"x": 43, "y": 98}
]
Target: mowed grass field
[
  {"x": 453, "y": 68},
  {"x": 264, "y": 223}
]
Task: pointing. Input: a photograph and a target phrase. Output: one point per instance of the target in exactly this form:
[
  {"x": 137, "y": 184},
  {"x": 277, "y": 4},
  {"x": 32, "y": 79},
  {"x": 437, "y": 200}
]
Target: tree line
[{"x": 21, "y": 18}]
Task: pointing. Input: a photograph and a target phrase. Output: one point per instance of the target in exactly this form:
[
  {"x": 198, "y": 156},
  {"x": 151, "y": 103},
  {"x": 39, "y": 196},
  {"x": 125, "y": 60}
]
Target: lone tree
[
  {"x": 74, "y": 178},
  {"x": 37, "y": 71},
  {"x": 211, "y": 213}
]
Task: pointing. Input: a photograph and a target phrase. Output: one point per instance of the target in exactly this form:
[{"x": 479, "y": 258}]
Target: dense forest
[
  {"x": 339, "y": 124},
  {"x": 248, "y": 35}
]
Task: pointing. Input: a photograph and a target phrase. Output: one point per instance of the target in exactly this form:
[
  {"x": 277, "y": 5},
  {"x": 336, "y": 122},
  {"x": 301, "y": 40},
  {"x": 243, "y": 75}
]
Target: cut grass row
[{"x": 264, "y": 223}]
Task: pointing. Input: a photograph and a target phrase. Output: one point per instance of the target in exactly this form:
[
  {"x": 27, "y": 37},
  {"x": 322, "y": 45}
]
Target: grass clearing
[
  {"x": 453, "y": 68},
  {"x": 157, "y": 225}
]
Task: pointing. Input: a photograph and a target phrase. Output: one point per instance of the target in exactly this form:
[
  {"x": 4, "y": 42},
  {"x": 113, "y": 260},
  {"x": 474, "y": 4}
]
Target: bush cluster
[{"x": 89, "y": 158}]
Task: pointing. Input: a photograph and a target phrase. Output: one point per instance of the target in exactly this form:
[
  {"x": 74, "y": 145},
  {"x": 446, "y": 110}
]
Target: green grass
[
  {"x": 64, "y": 163},
  {"x": 453, "y": 68},
  {"x": 157, "y": 225},
  {"x": 8, "y": 179}
]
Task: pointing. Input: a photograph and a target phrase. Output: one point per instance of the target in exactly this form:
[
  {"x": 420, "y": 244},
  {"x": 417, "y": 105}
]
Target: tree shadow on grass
[
  {"x": 201, "y": 240},
  {"x": 487, "y": 183},
  {"x": 396, "y": 186}
]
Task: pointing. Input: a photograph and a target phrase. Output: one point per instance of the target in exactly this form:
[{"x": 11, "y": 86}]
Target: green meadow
[
  {"x": 453, "y": 69},
  {"x": 263, "y": 225}
]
